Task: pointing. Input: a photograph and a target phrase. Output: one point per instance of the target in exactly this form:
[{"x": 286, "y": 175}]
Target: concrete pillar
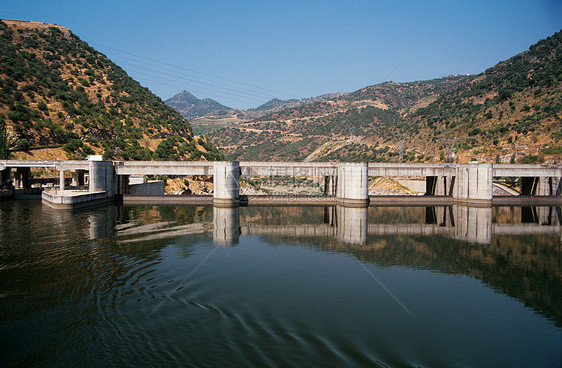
[
  {"x": 353, "y": 184},
  {"x": 329, "y": 185},
  {"x": 226, "y": 180},
  {"x": 473, "y": 183},
  {"x": 101, "y": 177},
  {"x": 226, "y": 225},
  {"x": 61, "y": 180},
  {"x": 473, "y": 224},
  {"x": 444, "y": 185},
  {"x": 352, "y": 224},
  {"x": 74, "y": 181},
  {"x": 123, "y": 184},
  {"x": 548, "y": 186}
]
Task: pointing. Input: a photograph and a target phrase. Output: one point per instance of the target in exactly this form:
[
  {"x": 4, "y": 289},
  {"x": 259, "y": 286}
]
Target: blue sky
[{"x": 243, "y": 53}]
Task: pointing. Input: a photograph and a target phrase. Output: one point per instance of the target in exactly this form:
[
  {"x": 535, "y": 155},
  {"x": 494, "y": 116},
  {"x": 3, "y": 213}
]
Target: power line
[{"x": 201, "y": 73}]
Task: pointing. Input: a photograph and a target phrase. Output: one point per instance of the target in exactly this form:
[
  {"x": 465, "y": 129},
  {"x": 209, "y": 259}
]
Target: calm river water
[{"x": 159, "y": 286}]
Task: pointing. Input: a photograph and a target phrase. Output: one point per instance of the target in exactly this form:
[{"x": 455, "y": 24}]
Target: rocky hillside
[
  {"x": 60, "y": 95},
  {"x": 510, "y": 113},
  {"x": 311, "y": 130}
]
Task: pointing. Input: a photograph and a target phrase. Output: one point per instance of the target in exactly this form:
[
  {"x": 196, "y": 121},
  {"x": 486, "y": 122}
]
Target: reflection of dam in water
[{"x": 346, "y": 224}]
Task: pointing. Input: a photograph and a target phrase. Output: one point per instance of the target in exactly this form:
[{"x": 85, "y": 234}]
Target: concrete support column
[
  {"x": 352, "y": 224},
  {"x": 74, "y": 181},
  {"x": 473, "y": 183},
  {"x": 226, "y": 180},
  {"x": 548, "y": 186},
  {"x": 61, "y": 180},
  {"x": 123, "y": 184},
  {"x": 329, "y": 185},
  {"x": 353, "y": 184},
  {"x": 101, "y": 175},
  {"x": 226, "y": 225},
  {"x": 444, "y": 185}
]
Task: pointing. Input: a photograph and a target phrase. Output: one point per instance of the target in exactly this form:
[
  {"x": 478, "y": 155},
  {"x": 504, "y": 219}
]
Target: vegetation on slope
[
  {"x": 56, "y": 90},
  {"x": 510, "y": 113},
  {"x": 296, "y": 133}
]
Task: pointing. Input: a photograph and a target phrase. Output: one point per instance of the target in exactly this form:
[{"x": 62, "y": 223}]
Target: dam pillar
[
  {"x": 329, "y": 185},
  {"x": 473, "y": 183},
  {"x": 226, "y": 180},
  {"x": 61, "y": 180},
  {"x": 123, "y": 184},
  {"x": 353, "y": 184},
  {"x": 101, "y": 177},
  {"x": 77, "y": 178},
  {"x": 548, "y": 186}
]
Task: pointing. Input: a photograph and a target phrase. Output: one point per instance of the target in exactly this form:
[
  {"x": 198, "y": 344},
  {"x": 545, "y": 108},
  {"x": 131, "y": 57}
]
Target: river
[{"x": 147, "y": 286}]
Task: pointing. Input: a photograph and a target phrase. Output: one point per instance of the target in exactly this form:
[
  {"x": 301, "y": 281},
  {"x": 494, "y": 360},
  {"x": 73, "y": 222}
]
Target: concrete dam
[{"x": 95, "y": 181}]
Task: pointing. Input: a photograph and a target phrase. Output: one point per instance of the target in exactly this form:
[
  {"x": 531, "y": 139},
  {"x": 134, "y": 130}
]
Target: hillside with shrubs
[
  {"x": 60, "y": 95},
  {"x": 510, "y": 113}
]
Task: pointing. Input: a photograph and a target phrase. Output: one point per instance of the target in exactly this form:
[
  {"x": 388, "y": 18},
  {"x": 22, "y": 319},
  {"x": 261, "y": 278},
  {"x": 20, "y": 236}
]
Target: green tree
[{"x": 3, "y": 141}]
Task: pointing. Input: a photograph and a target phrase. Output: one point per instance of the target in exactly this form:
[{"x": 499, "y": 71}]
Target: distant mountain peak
[{"x": 191, "y": 107}]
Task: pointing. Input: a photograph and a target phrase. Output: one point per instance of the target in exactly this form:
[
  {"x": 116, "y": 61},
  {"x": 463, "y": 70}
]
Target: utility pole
[
  {"x": 450, "y": 147},
  {"x": 351, "y": 129},
  {"x": 402, "y": 137}
]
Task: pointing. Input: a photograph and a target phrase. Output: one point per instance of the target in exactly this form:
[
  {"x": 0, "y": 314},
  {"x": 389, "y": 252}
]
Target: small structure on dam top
[{"x": 94, "y": 181}]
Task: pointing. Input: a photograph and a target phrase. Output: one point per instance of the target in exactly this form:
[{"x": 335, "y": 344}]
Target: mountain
[
  {"x": 61, "y": 98},
  {"x": 331, "y": 121},
  {"x": 273, "y": 104},
  {"x": 191, "y": 107},
  {"x": 512, "y": 112}
]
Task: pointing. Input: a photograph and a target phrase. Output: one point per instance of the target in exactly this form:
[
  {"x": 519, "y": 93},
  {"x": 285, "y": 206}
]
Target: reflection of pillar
[
  {"x": 473, "y": 224},
  {"x": 353, "y": 184},
  {"x": 352, "y": 224},
  {"x": 329, "y": 215},
  {"x": 430, "y": 215},
  {"x": 101, "y": 222},
  {"x": 226, "y": 225},
  {"x": 226, "y": 180},
  {"x": 61, "y": 180}
]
